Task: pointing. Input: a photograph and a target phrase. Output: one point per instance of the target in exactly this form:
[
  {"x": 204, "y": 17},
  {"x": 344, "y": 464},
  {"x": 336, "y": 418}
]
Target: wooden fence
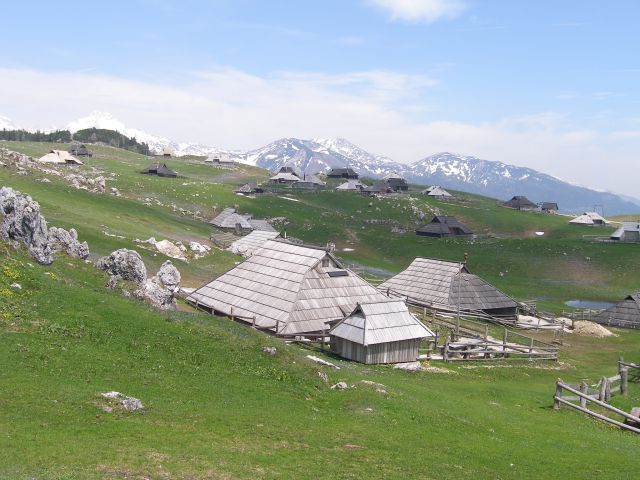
[{"x": 600, "y": 395}]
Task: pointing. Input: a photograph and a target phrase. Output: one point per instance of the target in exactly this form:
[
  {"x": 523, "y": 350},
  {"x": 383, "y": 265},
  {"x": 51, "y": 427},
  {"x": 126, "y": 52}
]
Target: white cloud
[
  {"x": 383, "y": 112},
  {"x": 428, "y": 11}
]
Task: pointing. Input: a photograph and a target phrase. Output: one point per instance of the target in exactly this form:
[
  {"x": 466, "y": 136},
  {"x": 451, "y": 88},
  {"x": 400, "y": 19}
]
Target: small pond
[{"x": 591, "y": 304}]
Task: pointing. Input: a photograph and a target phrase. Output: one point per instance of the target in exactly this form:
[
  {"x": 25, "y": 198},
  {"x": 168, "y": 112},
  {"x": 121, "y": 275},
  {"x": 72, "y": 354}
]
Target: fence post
[
  {"x": 620, "y": 365},
  {"x": 504, "y": 343},
  {"x": 584, "y": 388},
  {"x": 556, "y": 402},
  {"x": 624, "y": 378},
  {"x": 607, "y": 391},
  {"x": 445, "y": 351},
  {"x": 486, "y": 331},
  {"x": 603, "y": 388}
]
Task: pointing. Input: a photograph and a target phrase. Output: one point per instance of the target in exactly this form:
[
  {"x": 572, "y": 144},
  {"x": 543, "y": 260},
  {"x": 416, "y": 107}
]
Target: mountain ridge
[{"x": 454, "y": 171}]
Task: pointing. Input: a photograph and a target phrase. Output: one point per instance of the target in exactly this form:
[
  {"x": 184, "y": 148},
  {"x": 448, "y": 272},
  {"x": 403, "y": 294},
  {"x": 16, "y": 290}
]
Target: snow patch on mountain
[{"x": 7, "y": 124}]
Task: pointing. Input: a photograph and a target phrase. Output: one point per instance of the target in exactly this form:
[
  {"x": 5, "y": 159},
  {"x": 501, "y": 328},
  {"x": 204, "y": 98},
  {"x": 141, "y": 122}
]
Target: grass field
[{"x": 218, "y": 407}]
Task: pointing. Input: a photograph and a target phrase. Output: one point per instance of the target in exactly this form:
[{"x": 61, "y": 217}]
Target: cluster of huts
[
  {"x": 520, "y": 202},
  {"x": 300, "y": 291}
]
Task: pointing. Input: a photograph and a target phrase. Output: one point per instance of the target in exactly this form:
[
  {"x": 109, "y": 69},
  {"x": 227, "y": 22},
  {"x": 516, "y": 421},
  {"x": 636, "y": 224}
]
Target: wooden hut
[
  {"x": 442, "y": 226},
  {"x": 247, "y": 245},
  {"x": 590, "y": 219},
  {"x": 60, "y": 157},
  {"x": 230, "y": 220},
  {"x": 382, "y": 188},
  {"x": 80, "y": 150},
  {"x": 351, "y": 186},
  {"x": 160, "y": 170},
  {"x": 286, "y": 289},
  {"x": 628, "y": 232},
  {"x": 549, "y": 207},
  {"x": 168, "y": 152},
  {"x": 625, "y": 314},
  {"x": 347, "y": 173},
  {"x": 284, "y": 177},
  {"x": 448, "y": 285},
  {"x": 436, "y": 192},
  {"x": 396, "y": 182},
  {"x": 520, "y": 202},
  {"x": 379, "y": 332}
]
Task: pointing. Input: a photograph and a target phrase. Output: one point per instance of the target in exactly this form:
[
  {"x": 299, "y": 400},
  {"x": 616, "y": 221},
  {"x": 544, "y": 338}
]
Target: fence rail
[{"x": 600, "y": 395}]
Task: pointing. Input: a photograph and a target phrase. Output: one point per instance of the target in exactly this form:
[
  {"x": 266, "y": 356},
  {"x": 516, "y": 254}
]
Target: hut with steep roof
[
  {"x": 379, "y": 332},
  {"x": 347, "y": 173},
  {"x": 449, "y": 285},
  {"x": 625, "y": 314},
  {"x": 442, "y": 226},
  {"x": 589, "y": 219},
  {"x": 160, "y": 170},
  {"x": 60, "y": 157},
  {"x": 286, "y": 289},
  {"x": 436, "y": 191},
  {"x": 252, "y": 242},
  {"x": 80, "y": 150},
  {"x": 520, "y": 202}
]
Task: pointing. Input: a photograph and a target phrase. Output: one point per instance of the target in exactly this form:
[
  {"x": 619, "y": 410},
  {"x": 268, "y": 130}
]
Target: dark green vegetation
[
  {"x": 218, "y": 407},
  {"x": 88, "y": 135}
]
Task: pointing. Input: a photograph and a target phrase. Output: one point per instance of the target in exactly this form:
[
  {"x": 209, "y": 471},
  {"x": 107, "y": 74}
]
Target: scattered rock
[
  {"x": 322, "y": 362},
  {"x": 380, "y": 388},
  {"x": 170, "y": 250},
  {"x": 409, "y": 366},
  {"x": 590, "y": 329},
  {"x": 270, "y": 350},
  {"x": 129, "y": 404},
  {"x": 16, "y": 286},
  {"x": 126, "y": 264},
  {"x": 115, "y": 192},
  {"x": 198, "y": 249},
  {"x": 340, "y": 386},
  {"x": 23, "y": 223},
  {"x": 161, "y": 290},
  {"x": 61, "y": 240},
  {"x": 323, "y": 376}
]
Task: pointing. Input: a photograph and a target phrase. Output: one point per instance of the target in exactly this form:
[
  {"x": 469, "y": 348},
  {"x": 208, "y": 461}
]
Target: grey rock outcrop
[
  {"x": 61, "y": 240},
  {"x": 24, "y": 223},
  {"x": 126, "y": 264},
  {"x": 160, "y": 290}
]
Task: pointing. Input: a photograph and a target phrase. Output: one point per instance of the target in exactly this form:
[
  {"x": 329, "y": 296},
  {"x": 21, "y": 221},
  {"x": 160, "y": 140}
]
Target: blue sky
[{"x": 553, "y": 85}]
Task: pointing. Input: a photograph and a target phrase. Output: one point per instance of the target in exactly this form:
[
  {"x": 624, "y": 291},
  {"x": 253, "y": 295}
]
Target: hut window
[{"x": 326, "y": 261}]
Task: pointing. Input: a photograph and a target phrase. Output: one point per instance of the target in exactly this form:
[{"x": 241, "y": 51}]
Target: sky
[{"x": 551, "y": 85}]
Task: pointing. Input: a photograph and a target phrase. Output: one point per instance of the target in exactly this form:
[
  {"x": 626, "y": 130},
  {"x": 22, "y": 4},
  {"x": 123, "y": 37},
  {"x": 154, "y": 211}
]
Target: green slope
[{"x": 218, "y": 407}]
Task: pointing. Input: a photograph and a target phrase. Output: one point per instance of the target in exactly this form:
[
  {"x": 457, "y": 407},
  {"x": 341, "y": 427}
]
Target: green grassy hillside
[
  {"x": 552, "y": 268},
  {"x": 218, "y": 407}
]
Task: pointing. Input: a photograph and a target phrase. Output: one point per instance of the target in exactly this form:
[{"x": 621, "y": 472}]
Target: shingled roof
[
  {"x": 520, "y": 202},
  {"x": 447, "y": 284},
  {"x": 624, "y": 314},
  {"x": 288, "y": 289},
  {"x": 380, "y": 322},
  {"x": 228, "y": 218},
  {"x": 253, "y": 242},
  {"x": 444, "y": 226}
]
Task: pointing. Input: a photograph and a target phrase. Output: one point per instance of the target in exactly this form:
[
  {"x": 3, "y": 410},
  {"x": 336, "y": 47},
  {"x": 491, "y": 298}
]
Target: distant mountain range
[{"x": 457, "y": 172}]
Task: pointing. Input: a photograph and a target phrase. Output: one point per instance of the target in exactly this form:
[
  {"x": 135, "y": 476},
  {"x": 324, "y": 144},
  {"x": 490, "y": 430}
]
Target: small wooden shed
[
  {"x": 347, "y": 173},
  {"x": 442, "y": 226},
  {"x": 520, "y": 202},
  {"x": 379, "y": 332},
  {"x": 625, "y": 314},
  {"x": 160, "y": 170}
]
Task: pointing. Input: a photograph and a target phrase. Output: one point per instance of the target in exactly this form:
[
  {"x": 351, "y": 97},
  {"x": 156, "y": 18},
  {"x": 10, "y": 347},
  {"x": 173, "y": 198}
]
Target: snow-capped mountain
[
  {"x": 458, "y": 172},
  {"x": 499, "y": 180},
  {"x": 106, "y": 121},
  {"x": 318, "y": 155}
]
